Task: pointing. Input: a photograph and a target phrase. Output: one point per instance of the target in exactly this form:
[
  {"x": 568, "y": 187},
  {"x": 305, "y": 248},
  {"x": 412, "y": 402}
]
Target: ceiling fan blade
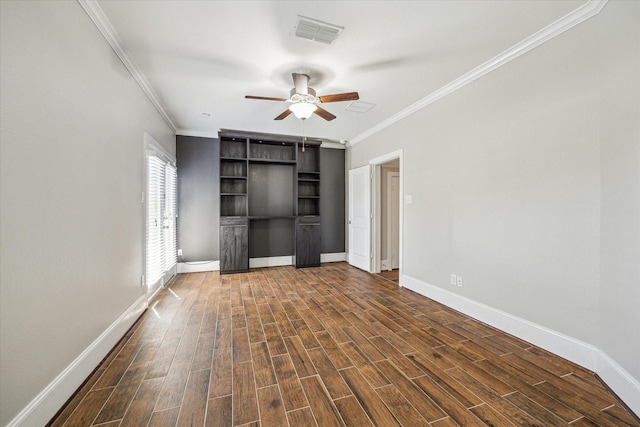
[
  {"x": 324, "y": 114},
  {"x": 266, "y": 98},
  {"x": 301, "y": 83},
  {"x": 284, "y": 114},
  {"x": 347, "y": 96}
]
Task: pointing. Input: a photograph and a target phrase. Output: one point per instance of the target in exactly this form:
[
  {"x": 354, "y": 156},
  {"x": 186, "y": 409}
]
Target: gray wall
[
  {"x": 71, "y": 180},
  {"x": 527, "y": 183},
  {"x": 198, "y": 198},
  {"x": 619, "y": 128},
  {"x": 199, "y": 202}
]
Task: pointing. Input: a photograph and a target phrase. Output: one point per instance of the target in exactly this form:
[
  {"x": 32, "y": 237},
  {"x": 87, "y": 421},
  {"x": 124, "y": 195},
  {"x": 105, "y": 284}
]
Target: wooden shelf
[
  {"x": 272, "y": 217},
  {"x": 272, "y": 161},
  {"x": 233, "y": 158}
]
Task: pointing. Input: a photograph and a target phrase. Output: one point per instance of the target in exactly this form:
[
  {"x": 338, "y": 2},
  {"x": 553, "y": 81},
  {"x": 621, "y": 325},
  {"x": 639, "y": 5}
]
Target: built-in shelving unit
[
  {"x": 269, "y": 193},
  {"x": 308, "y": 201},
  {"x": 234, "y": 225},
  {"x": 233, "y": 177}
]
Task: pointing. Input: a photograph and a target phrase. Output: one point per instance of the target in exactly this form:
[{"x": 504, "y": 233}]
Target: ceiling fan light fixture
[{"x": 303, "y": 110}]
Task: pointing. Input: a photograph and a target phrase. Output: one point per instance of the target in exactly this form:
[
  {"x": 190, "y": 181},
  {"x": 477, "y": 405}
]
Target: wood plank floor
[
  {"x": 393, "y": 275},
  {"x": 327, "y": 346}
]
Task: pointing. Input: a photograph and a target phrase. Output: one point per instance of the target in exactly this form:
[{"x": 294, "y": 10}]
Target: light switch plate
[{"x": 408, "y": 200}]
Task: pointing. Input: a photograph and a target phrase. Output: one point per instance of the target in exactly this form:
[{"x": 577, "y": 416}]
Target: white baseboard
[
  {"x": 620, "y": 381},
  {"x": 198, "y": 267},
  {"x": 333, "y": 257},
  {"x": 45, "y": 405},
  {"x": 273, "y": 261},
  {"x": 579, "y": 352}
]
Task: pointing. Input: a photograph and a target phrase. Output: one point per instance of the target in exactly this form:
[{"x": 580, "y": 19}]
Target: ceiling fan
[{"x": 304, "y": 100}]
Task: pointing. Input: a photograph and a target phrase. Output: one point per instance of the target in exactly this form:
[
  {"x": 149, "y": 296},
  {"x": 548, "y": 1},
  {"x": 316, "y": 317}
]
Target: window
[{"x": 161, "y": 242}]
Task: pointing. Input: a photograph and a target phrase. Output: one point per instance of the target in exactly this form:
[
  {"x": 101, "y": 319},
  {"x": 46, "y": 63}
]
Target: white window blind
[
  {"x": 170, "y": 214},
  {"x": 161, "y": 240}
]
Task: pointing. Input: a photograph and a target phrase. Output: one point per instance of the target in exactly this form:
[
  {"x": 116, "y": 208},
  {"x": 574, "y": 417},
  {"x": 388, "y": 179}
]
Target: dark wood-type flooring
[
  {"x": 327, "y": 346},
  {"x": 393, "y": 275}
]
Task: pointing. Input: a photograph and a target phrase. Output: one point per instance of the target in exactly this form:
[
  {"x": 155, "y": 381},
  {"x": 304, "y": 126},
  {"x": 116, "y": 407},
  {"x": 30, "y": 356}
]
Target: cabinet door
[
  {"x": 308, "y": 245},
  {"x": 234, "y": 248}
]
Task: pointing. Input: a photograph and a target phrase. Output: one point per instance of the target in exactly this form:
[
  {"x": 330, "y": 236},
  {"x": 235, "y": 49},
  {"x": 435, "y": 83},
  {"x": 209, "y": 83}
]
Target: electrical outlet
[
  {"x": 179, "y": 252},
  {"x": 459, "y": 281},
  {"x": 454, "y": 280}
]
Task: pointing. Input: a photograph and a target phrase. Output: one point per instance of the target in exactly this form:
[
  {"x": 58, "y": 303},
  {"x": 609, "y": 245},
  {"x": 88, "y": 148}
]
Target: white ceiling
[{"x": 204, "y": 56}]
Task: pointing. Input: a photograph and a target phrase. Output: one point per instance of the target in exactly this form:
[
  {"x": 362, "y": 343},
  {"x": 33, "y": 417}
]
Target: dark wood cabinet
[
  {"x": 234, "y": 245},
  {"x": 268, "y": 186},
  {"x": 307, "y": 242}
]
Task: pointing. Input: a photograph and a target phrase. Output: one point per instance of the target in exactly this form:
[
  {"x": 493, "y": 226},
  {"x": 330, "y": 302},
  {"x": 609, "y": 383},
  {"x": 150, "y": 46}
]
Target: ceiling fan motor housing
[{"x": 310, "y": 97}]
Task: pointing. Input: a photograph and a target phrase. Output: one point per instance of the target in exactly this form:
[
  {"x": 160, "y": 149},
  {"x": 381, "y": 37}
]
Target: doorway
[
  {"x": 390, "y": 215},
  {"x": 379, "y": 217},
  {"x": 160, "y": 255},
  {"x": 387, "y": 215}
]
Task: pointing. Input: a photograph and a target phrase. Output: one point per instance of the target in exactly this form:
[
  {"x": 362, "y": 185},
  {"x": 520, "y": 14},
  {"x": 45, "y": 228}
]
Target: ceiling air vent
[
  {"x": 359, "y": 106},
  {"x": 318, "y": 31}
]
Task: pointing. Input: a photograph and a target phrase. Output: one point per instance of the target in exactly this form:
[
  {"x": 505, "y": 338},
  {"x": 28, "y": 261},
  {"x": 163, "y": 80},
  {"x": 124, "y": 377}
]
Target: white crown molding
[
  {"x": 570, "y": 20},
  {"x": 95, "y": 12},
  {"x": 334, "y": 145},
  {"x": 325, "y": 142},
  {"x": 197, "y": 134}
]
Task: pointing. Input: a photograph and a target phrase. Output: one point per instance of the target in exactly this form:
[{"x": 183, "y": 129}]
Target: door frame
[{"x": 376, "y": 170}]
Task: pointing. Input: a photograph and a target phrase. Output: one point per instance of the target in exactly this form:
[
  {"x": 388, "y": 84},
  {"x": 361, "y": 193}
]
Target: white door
[{"x": 360, "y": 217}]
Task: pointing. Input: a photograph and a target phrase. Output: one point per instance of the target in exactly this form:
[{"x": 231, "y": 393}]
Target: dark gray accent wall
[
  {"x": 332, "y": 202},
  {"x": 271, "y": 237},
  {"x": 198, "y": 198},
  {"x": 199, "y": 202},
  {"x": 270, "y": 190}
]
